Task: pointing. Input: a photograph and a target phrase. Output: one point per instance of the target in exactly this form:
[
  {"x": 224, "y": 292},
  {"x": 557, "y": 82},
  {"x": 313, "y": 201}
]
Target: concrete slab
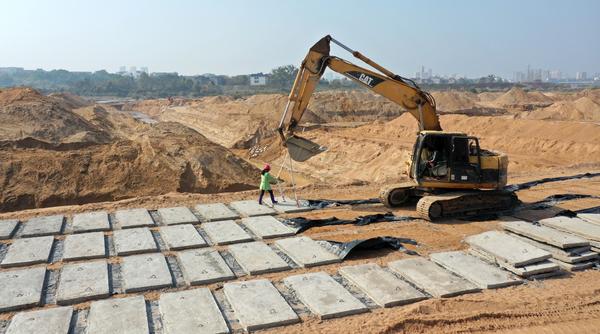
[
  {"x": 39, "y": 226},
  {"x": 526, "y": 271},
  {"x": 545, "y": 234},
  {"x": 572, "y": 255},
  {"x": 177, "y": 215},
  {"x": 251, "y": 208},
  {"x": 225, "y": 232},
  {"x": 574, "y": 266},
  {"x": 432, "y": 278},
  {"x": 507, "y": 248},
  {"x": 324, "y": 296},
  {"x": 21, "y": 288},
  {"x": 257, "y": 258},
  {"x": 145, "y": 272},
  {"x": 576, "y": 226},
  {"x": 134, "y": 241},
  {"x": 216, "y": 211},
  {"x": 118, "y": 315},
  {"x": 290, "y": 205},
  {"x": 27, "y": 251},
  {"x": 258, "y": 305},
  {"x": 49, "y": 321},
  {"x": 182, "y": 237},
  {"x": 593, "y": 218},
  {"x": 191, "y": 311},
  {"x": 91, "y": 222},
  {"x": 266, "y": 227},
  {"x": 306, "y": 252},
  {"x": 203, "y": 266},
  {"x": 83, "y": 281},
  {"x": 7, "y": 228},
  {"x": 483, "y": 274},
  {"x": 382, "y": 286},
  {"x": 84, "y": 246},
  {"x": 133, "y": 218}
]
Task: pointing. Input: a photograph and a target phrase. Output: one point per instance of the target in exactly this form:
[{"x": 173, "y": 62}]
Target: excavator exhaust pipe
[{"x": 302, "y": 149}]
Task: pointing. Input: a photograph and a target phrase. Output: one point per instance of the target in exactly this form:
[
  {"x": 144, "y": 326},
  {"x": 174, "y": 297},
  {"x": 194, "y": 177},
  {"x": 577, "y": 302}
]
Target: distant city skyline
[{"x": 463, "y": 37}]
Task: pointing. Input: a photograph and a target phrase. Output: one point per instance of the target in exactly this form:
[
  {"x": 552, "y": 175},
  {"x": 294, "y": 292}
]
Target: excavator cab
[{"x": 454, "y": 160}]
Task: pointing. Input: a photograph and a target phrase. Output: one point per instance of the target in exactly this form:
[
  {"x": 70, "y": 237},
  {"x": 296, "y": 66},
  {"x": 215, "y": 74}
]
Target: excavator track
[
  {"x": 465, "y": 204},
  {"x": 395, "y": 195}
]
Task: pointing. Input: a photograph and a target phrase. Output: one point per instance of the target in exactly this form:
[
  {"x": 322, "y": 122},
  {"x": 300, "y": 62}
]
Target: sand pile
[
  {"x": 462, "y": 102},
  {"x": 593, "y": 94},
  {"x": 70, "y": 101},
  {"x": 488, "y": 96},
  {"x": 455, "y": 100},
  {"x": 376, "y": 153},
  {"x": 353, "y": 106},
  {"x": 582, "y": 109},
  {"x": 25, "y": 113},
  {"x": 242, "y": 122},
  {"x": 132, "y": 159},
  {"x": 518, "y": 98}
]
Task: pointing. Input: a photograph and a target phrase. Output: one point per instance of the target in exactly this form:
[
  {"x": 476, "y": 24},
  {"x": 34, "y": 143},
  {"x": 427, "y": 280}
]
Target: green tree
[{"x": 283, "y": 77}]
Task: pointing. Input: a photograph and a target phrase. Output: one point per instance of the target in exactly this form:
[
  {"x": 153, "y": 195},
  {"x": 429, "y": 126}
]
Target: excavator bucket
[{"x": 301, "y": 149}]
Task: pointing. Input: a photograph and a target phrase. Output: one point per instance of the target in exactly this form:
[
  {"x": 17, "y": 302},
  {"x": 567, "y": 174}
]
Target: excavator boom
[{"x": 400, "y": 90}]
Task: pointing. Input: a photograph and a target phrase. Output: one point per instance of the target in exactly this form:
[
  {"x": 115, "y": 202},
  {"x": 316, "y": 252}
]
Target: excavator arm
[{"x": 400, "y": 90}]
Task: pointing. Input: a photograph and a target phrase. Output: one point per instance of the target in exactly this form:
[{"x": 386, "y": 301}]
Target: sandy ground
[
  {"x": 569, "y": 303},
  {"x": 366, "y": 150}
]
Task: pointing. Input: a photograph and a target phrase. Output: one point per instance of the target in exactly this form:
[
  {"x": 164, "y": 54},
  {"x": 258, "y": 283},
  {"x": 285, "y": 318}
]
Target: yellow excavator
[{"x": 450, "y": 175}]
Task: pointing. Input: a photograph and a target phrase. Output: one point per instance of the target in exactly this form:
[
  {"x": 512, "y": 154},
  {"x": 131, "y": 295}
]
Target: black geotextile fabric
[
  {"x": 326, "y": 203},
  {"x": 343, "y": 249},
  {"x": 303, "y": 224},
  {"x": 527, "y": 185},
  {"x": 553, "y": 200}
]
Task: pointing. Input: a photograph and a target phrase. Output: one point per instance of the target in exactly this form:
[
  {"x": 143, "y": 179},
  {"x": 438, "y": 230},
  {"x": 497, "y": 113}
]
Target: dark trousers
[{"x": 262, "y": 192}]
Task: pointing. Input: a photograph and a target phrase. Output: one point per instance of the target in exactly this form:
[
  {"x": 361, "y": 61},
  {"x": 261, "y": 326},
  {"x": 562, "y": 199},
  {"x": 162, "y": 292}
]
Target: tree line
[{"x": 144, "y": 85}]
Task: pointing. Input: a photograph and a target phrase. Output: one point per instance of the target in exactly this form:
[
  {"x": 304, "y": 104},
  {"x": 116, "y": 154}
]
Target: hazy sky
[{"x": 472, "y": 38}]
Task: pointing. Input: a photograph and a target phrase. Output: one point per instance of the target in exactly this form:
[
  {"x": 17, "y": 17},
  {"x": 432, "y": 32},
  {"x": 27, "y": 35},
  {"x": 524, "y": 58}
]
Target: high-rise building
[
  {"x": 132, "y": 69},
  {"x": 555, "y": 75},
  {"x": 122, "y": 69},
  {"x": 581, "y": 76}
]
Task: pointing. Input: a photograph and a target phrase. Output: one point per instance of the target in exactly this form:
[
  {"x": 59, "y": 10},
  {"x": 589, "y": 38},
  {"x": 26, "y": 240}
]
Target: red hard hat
[{"x": 267, "y": 167}]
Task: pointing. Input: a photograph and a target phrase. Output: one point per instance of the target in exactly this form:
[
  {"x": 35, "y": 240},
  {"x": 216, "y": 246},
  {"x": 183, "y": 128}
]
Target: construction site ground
[
  {"x": 365, "y": 152},
  {"x": 566, "y": 303}
]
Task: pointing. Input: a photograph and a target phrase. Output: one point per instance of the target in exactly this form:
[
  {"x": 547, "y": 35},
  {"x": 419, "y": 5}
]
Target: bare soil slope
[
  {"x": 377, "y": 152},
  {"x": 582, "y": 109},
  {"x": 243, "y": 122},
  {"x": 62, "y": 156}
]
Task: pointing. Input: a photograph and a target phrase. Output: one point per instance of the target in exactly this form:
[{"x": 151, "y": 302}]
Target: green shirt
[{"x": 265, "y": 181}]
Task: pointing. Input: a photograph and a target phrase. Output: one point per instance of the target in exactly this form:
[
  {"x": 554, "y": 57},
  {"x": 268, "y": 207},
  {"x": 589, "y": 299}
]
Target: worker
[
  {"x": 432, "y": 163},
  {"x": 265, "y": 184}
]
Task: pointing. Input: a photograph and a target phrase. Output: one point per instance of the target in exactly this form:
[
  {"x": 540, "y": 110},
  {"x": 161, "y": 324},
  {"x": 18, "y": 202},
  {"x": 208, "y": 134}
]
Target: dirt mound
[
  {"x": 376, "y": 152},
  {"x": 70, "y": 101},
  {"x": 45, "y": 163},
  {"x": 518, "y": 98},
  {"x": 167, "y": 157},
  {"x": 582, "y": 109},
  {"x": 353, "y": 106},
  {"x": 488, "y": 96},
  {"x": 461, "y": 102},
  {"x": 593, "y": 94},
  {"x": 25, "y": 113},
  {"x": 242, "y": 122},
  {"x": 455, "y": 100}
]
